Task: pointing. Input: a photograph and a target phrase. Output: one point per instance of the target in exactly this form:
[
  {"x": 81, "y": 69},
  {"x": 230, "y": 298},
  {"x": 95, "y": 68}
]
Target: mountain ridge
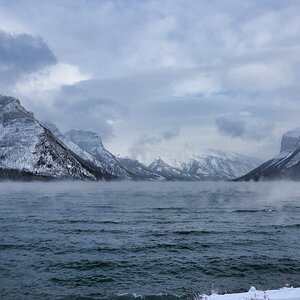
[
  {"x": 26, "y": 146},
  {"x": 33, "y": 149}
]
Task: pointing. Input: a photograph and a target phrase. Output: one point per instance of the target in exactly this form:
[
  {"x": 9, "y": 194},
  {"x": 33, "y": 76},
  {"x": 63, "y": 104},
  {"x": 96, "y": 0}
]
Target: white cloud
[
  {"x": 260, "y": 77},
  {"x": 9, "y": 24},
  {"x": 199, "y": 84},
  {"x": 51, "y": 78}
]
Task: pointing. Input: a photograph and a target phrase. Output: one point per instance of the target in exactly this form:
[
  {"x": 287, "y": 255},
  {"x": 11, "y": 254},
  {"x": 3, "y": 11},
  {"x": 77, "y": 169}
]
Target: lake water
[{"x": 157, "y": 240}]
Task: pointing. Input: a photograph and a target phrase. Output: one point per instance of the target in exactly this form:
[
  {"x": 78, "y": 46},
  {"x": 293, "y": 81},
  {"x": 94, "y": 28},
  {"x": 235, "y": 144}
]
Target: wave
[
  {"x": 195, "y": 232},
  {"x": 160, "y": 296},
  {"x": 283, "y": 226},
  {"x": 253, "y": 210},
  {"x": 75, "y": 221},
  {"x": 81, "y": 281}
]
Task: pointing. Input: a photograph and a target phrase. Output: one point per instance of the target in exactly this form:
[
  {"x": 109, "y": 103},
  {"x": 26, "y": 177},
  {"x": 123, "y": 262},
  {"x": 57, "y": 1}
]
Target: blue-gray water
[{"x": 160, "y": 240}]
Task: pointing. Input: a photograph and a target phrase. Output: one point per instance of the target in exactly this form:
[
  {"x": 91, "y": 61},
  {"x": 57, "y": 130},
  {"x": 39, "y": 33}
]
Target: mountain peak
[
  {"x": 285, "y": 165},
  {"x": 28, "y": 149},
  {"x": 12, "y": 107},
  {"x": 158, "y": 161},
  {"x": 83, "y": 137},
  {"x": 91, "y": 143},
  {"x": 290, "y": 140},
  {"x": 53, "y": 128},
  {"x": 4, "y": 100},
  {"x": 167, "y": 171}
]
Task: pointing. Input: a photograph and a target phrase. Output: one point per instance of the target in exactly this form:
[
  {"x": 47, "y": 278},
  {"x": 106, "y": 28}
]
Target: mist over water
[{"x": 80, "y": 240}]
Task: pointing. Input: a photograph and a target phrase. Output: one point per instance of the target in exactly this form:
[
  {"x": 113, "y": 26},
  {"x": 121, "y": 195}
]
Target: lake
[{"x": 151, "y": 240}]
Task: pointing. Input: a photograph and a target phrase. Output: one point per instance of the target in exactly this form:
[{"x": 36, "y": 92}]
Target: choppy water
[{"x": 159, "y": 240}]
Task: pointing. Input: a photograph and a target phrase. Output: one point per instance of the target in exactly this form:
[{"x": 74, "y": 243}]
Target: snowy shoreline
[{"x": 253, "y": 294}]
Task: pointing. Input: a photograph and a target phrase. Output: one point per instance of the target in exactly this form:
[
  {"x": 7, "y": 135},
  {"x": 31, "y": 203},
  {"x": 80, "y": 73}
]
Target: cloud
[
  {"x": 22, "y": 54},
  {"x": 244, "y": 125},
  {"x": 145, "y": 143},
  {"x": 142, "y": 145},
  {"x": 170, "y": 134},
  {"x": 230, "y": 126},
  {"x": 199, "y": 84},
  {"x": 51, "y": 78},
  {"x": 260, "y": 77},
  {"x": 83, "y": 106},
  {"x": 132, "y": 68}
]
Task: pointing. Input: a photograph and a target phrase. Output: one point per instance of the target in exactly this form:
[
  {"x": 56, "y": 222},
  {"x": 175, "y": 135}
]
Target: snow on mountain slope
[
  {"x": 29, "y": 147},
  {"x": 91, "y": 144},
  {"x": 219, "y": 164},
  {"x": 138, "y": 170},
  {"x": 167, "y": 171},
  {"x": 286, "y": 165},
  {"x": 26, "y": 146},
  {"x": 73, "y": 147},
  {"x": 210, "y": 164}
]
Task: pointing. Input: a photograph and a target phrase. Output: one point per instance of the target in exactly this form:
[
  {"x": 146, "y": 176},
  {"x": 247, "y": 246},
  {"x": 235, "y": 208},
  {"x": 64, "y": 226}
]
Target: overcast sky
[{"x": 163, "y": 74}]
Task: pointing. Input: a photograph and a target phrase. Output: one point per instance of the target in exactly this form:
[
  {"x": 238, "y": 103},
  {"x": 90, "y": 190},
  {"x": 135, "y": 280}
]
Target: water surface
[{"x": 158, "y": 240}]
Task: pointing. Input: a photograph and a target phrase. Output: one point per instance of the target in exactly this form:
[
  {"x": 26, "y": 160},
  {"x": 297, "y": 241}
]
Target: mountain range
[{"x": 30, "y": 149}]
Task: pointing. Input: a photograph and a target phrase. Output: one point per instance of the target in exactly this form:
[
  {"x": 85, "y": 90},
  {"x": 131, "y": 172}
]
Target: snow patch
[{"x": 253, "y": 294}]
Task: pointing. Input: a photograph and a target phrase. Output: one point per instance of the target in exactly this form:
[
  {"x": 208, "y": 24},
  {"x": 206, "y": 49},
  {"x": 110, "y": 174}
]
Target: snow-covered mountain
[
  {"x": 219, "y": 164},
  {"x": 27, "y": 149},
  {"x": 139, "y": 171},
  {"x": 91, "y": 143},
  {"x": 104, "y": 160},
  {"x": 211, "y": 164},
  {"x": 167, "y": 171},
  {"x": 286, "y": 165}
]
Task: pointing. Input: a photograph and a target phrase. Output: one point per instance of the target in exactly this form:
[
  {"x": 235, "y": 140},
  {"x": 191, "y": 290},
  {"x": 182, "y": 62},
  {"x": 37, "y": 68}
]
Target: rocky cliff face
[
  {"x": 26, "y": 147},
  {"x": 290, "y": 140}
]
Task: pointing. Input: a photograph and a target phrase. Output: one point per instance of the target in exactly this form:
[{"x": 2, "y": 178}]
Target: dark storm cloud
[{"x": 22, "y": 54}]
